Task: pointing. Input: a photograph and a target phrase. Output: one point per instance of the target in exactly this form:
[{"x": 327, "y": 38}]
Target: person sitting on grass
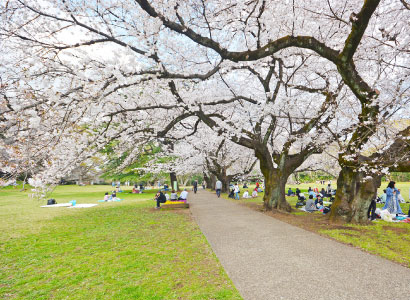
[
  {"x": 160, "y": 198},
  {"x": 174, "y": 196},
  {"x": 310, "y": 204},
  {"x": 297, "y": 192},
  {"x": 184, "y": 195},
  {"x": 113, "y": 195},
  {"x": 301, "y": 197},
  {"x": 246, "y": 195},
  {"x": 106, "y": 197},
  {"x": 255, "y": 193},
  {"x": 329, "y": 191},
  {"x": 319, "y": 201},
  {"x": 290, "y": 192},
  {"x": 134, "y": 190}
]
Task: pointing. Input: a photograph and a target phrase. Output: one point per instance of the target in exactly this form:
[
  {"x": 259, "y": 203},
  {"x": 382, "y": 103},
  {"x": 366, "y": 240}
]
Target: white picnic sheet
[
  {"x": 83, "y": 205},
  {"x": 69, "y": 205},
  {"x": 58, "y": 205}
]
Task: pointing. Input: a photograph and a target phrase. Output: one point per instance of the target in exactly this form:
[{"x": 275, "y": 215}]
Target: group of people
[
  {"x": 136, "y": 190},
  {"x": 160, "y": 197},
  {"x": 112, "y": 197},
  {"x": 314, "y": 192},
  {"x": 235, "y": 191},
  {"x": 316, "y": 204},
  {"x": 315, "y": 198}
]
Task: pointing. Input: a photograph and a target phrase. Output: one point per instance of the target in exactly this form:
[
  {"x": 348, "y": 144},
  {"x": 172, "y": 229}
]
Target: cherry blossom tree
[{"x": 94, "y": 72}]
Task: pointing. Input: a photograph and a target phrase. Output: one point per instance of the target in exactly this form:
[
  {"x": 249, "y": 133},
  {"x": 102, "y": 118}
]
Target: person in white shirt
[
  {"x": 254, "y": 193},
  {"x": 184, "y": 195},
  {"x": 167, "y": 197},
  {"x": 218, "y": 188},
  {"x": 236, "y": 191},
  {"x": 174, "y": 196},
  {"x": 246, "y": 195}
]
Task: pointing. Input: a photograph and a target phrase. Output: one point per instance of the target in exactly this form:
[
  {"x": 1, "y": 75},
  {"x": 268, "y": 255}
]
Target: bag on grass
[
  {"x": 51, "y": 201},
  {"x": 300, "y": 204}
]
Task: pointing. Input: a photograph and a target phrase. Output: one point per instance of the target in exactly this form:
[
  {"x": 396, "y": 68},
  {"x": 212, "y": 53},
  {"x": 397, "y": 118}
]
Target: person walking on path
[
  {"x": 195, "y": 186},
  {"x": 218, "y": 188}
]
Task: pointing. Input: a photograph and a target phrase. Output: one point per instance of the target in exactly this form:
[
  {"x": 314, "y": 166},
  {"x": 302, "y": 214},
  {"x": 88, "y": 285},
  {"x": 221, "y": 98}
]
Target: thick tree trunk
[
  {"x": 213, "y": 181},
  {"x": 208, "y": 181},
  {"x": 354, "y": 193},
  {"x": 275, "y": 191},
  {"x": 275, "y": 181},
  {"x": 226, "y": 180},
  {"x": 173, "y": 178}
]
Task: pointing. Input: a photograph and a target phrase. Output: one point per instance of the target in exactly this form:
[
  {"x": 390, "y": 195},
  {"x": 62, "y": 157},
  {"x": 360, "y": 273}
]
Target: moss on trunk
[{"x": 354, "y": 193}]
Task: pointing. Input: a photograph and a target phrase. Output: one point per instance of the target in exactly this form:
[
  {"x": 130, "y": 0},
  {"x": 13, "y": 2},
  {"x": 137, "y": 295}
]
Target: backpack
[{"x": 51, "y": 201}]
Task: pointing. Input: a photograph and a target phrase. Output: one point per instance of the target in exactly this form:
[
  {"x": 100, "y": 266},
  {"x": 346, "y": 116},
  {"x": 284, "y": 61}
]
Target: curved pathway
[{"x": 270, "y": 259}]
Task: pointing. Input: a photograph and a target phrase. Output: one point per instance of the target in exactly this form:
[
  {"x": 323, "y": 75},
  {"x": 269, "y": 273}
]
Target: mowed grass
[
  {"x": 117, "y": 250},
  {"x": 386, "y": 239}
]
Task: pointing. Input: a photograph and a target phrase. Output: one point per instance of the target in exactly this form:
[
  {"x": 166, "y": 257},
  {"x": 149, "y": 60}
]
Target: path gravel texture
[{"x": 270, "y": 259}]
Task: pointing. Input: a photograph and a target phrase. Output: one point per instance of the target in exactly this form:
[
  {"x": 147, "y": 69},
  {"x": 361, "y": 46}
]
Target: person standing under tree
[
  {"x": 218, "y": 188},
  {"x": 392, "y": 202},
  {"x": 236, "y": 191}
]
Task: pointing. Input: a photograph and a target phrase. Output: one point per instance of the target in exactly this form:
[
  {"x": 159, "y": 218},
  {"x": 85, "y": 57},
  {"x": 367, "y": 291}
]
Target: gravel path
[{"x": 270, "y": 259}]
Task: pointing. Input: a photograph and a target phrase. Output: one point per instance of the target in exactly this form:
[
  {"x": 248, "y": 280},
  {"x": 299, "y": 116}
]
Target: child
[
  {"x": 106, "y": 197},
  {"x": 246, "y": 194}
]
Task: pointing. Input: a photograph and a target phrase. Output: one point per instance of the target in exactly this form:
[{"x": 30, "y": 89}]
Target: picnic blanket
[
  {"x": 116, "y": 200},
  {"x": 83, "y": 205},
  {"x": 58, "y": 205}
]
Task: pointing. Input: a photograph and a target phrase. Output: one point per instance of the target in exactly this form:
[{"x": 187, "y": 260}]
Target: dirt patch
[
  {"x": 396, "y": 230},
  {"x": 309, "y": 221}
]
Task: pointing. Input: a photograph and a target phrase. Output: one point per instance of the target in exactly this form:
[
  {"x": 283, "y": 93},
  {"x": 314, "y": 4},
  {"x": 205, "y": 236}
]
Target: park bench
[{"x": 175, "y": 204}]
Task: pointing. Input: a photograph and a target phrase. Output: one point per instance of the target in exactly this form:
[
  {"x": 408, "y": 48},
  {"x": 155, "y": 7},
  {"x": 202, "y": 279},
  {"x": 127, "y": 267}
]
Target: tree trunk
[
  {"x": 275, "y": 192},
  {"x": 275, "y": 181},
  {"x": 173, "y": 178},
  {"x": 354, "y": 193},
  {"x": 225, "y": 183},
  {"x": 213, "y": 181},
  {"x": 208, "y": 181}
]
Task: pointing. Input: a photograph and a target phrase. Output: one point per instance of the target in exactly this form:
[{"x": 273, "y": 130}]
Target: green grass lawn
[
  {"x": 389, "y": 240},
  {"x": 116, "y": 250}
]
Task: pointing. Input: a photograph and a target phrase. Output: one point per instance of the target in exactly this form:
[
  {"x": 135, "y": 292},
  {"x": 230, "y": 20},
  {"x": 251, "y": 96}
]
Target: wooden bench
[{"x": 175, "y": 204}]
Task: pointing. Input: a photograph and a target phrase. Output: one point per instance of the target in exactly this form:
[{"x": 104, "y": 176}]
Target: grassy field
[
  {"x": 116, "y": 250},
  {"x": 389, "y": 240}
]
